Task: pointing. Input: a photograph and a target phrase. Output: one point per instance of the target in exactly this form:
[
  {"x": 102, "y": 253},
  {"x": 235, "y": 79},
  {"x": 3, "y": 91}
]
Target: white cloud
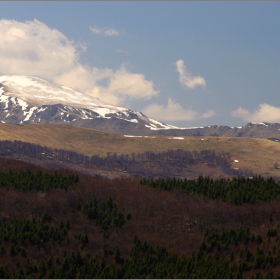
[
  {"x": 121, "y": 85},
  {"x": 264, "y": 113},
  {"x": 82, "y": 78},
  {"x": 126, "y": 84},
  {"x": 186, "y": 77},
  {"x": 104, "y": 31},
  {"x": 173, "y": 111},
  {"x": 32, "y": 48},
  {"x": 208, "y": 114},
  {"x": 123, "y": 51}
]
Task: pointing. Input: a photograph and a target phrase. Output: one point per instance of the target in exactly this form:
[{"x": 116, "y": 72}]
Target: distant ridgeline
[{"x": 149, "y": 164}]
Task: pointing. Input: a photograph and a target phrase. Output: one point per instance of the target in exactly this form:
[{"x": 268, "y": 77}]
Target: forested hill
[{"x": 65, "y": 224}]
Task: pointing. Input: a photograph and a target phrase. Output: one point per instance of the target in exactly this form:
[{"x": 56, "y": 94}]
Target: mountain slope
[
  {"x": 258, "y": 155},
  {"x": 25, "y": 99}
]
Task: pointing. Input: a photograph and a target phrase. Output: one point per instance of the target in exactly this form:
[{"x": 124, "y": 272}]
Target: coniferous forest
[{"x": 64, "y": 224}]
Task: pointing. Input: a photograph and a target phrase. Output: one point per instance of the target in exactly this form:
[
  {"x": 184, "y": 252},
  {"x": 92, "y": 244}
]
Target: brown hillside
[{"x": 258, "y": 155}]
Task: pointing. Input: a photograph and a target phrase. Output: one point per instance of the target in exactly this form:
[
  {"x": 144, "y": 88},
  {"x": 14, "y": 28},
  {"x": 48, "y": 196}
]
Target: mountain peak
[
  {"x": 41, "y": 92},
  {"x": 27, "y": 99}
]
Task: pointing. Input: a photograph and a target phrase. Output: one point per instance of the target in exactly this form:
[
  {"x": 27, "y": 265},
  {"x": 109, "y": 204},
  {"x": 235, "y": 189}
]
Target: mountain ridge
[
  {"x": 26, "y": 99},
  {"x": 31, "y": 100}
]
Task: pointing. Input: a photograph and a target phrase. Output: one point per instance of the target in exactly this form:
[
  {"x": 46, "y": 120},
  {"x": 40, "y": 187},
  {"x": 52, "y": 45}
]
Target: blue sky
[{"x": 183, "y": 63}]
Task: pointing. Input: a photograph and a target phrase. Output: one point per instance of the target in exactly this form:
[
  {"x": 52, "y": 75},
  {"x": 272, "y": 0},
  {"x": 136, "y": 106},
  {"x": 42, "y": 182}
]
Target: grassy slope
[{"x": 258, "y": 155}]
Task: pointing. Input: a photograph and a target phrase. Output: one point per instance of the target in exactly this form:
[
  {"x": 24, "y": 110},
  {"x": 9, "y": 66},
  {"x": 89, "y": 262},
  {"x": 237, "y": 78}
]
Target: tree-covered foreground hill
[{"x": 60, "y": 224}]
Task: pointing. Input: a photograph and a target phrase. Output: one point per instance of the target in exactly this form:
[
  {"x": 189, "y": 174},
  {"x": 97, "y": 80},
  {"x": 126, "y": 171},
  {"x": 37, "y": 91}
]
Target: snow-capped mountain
[
  {"x": 30, "y": 100},
  {"x": 26, "y": 99}
]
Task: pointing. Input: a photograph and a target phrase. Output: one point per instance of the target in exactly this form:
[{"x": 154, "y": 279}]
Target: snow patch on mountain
[
  {"x": 156, "y": 125},
  {"x": 194, "y": 127},
  {"x": 29, "y": 114},
  {"x": 132, "y": 136},
  {"x": 132, "y": 120},
  {"x": 259, "y": 123},
  {"x": 177, "y": 138}
]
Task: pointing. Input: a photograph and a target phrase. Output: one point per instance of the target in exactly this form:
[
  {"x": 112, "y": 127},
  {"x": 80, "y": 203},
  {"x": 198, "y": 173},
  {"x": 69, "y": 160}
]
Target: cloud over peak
[
  {"x": 32, "y": 48},
  {"x": 264, "y": 113},
  {"x": 173, "y": 111},
  {"x": 186, "y": 78},
  {"x": 121, "y": 85}
]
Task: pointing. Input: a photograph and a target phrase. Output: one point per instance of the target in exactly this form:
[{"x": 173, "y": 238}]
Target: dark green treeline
[
  {"x": 28, "y": 180},
  {"x": 237, "y": 190}
]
